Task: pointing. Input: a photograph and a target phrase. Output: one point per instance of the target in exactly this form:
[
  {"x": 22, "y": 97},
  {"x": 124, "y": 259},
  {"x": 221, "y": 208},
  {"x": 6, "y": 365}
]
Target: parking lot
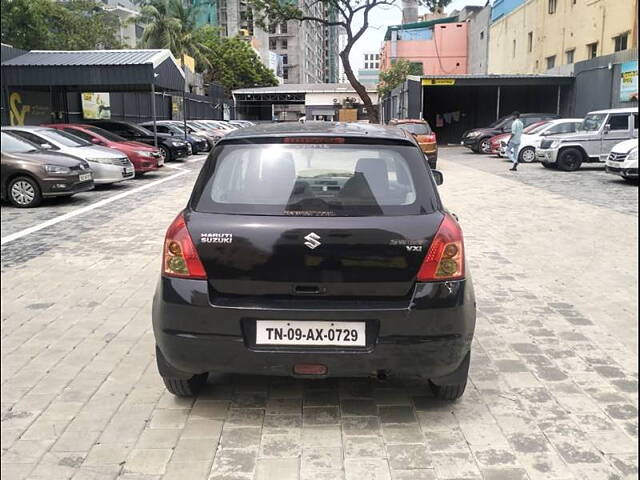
[{"x": 553, "y": 381}]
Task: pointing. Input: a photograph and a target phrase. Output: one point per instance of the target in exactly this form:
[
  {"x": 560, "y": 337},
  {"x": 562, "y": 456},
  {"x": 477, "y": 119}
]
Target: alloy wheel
[
  {"x": 528, "y": 155},
  {"x": 485, "y": 146},
  {"x": 22, "y": 192}
]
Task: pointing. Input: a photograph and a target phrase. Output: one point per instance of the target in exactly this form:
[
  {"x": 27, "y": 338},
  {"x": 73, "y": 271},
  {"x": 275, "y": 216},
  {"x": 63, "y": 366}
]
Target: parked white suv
[
  {"x": 623, "y": 160},
  {"x": 596, "y": 136}
]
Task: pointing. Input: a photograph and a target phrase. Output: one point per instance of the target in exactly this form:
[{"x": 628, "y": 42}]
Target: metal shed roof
[
  {"x": 303, "y": 88},
  {"x": 38, "y": 58},
  {"x": 94, "y": 70}
]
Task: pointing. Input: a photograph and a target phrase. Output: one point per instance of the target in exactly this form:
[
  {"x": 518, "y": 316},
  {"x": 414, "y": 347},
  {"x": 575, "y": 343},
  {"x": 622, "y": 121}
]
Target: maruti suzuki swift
[{"x": 315, "y": 250}]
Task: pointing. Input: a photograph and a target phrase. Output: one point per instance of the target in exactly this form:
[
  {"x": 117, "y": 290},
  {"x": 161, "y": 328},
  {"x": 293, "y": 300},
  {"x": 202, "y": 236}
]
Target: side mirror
[
  {"x": 607, "y": 128},
  {"x": 438, "y": 177},
  {"x": 46, "y": 146},
  {"x": 97, "y": 141}
]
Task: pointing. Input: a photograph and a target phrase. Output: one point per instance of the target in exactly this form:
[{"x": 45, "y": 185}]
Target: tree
[
  {"x": 232, "y": 62},
  {"x": 51, "y": 25},
  {"x": 170, "y": 24},
  {"x": 346, "y": 15},
  {"x": 162, "y": 29},
  {"x": 396, "y": 74}
]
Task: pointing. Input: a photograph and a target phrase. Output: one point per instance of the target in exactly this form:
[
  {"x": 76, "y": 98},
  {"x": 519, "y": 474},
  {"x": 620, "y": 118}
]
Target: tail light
[
  {"x": 180, "y": 258},
  {"x": 430, "y": 138},
  {"x": 445, "y": 258}
]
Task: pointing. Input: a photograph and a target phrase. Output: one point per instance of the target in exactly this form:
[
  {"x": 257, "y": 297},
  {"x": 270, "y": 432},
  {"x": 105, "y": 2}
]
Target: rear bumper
[{"x": 429, "y": 337}]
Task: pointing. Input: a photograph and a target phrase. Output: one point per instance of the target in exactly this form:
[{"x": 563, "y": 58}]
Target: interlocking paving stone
[{"x": 553, "y": 387}]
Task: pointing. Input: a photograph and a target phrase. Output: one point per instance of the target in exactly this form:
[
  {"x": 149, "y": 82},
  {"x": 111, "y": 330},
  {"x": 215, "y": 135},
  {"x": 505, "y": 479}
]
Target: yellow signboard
[{"x": 438, "y": 81}]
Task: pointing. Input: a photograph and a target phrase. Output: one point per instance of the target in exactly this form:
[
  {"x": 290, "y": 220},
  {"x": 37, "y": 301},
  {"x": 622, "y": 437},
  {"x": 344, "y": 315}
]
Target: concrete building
[
  {"x": 439, "y": 45},
  {"x": 235, "y": 17},
  {"x": 342, "y": 42},
  {"x": 370, "y": 74},
  {"x": 536, "y": 36},
  {"x": 316, "y": 101},
  {"x": 309, "y": 50},
  {"x": 478, "y": 40}
]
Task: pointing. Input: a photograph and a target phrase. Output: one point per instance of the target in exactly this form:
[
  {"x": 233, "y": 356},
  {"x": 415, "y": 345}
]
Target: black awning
[{"x": 94, "y": 70}]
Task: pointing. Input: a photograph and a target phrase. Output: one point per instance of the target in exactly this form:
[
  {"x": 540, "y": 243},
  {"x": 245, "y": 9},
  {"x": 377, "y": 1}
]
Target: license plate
[
  {"x": 282, "y": 332},
  {"x": 160, "y": 161},
  {"x": 126, "y": 171},
  {"x": 84, "y": 177}
]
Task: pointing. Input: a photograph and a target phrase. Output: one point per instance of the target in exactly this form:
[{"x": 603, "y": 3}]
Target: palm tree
[
  {"x": 170, "y": 24},
  {"x": 161, "y": 30}
]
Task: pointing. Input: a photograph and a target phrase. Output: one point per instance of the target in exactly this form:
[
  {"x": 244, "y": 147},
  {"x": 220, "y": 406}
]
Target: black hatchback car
[
  {"x": 172, "y": 148},
  {"x": 477, "y": 139},
  {"x": 315, "y": 250}
]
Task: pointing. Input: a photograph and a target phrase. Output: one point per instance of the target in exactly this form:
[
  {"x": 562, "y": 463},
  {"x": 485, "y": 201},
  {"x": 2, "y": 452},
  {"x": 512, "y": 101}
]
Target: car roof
[
  {"x": 26, "y": 128},
  {"x": 408, "y": 120},
  {"x": 337, "y": 129},
  {"x": 616, "y": 110}
]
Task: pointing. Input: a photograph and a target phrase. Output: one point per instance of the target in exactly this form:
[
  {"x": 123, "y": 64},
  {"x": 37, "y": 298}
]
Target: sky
[{"x": 383, "y": 16}]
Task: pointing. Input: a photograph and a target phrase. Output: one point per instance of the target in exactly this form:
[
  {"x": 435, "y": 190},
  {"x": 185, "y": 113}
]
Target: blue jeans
[{"x": 513, "y": 149}]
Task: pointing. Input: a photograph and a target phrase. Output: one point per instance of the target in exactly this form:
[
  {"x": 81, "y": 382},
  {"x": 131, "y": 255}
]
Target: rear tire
[
  {"x": 570, "y": 159},
  {"x": 451, "y": 387},
  {"x": 24, "y": 192},
  {"x": 527, "y": 155},
  {"x": 448, "y": 392},
  {"x": 185, "y": 387}
]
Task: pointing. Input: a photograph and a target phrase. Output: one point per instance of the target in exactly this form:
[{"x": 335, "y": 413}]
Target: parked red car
[
  {"x": 144, "y": 157},
  {"x": 496, "y": 141}
]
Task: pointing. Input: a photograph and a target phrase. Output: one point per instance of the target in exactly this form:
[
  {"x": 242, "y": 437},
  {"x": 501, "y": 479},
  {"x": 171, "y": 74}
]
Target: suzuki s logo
[{"x": 312, "y": 240}]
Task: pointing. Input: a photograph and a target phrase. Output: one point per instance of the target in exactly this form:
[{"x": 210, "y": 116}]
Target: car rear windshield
[
  {"x": 315, "y": 180},
  {"x": 416, "y": 128}
]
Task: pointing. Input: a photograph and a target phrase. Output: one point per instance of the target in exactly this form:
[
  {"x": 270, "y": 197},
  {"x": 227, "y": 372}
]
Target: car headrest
[{"x": 375, "y": 172}]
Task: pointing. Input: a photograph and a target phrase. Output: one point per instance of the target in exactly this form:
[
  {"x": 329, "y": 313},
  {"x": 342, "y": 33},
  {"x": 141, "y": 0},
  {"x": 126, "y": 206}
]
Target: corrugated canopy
[{"x": 94, "y": 70}]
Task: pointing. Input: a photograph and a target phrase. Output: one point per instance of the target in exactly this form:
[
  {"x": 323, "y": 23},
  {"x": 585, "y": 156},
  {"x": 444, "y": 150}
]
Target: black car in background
[
  {"x": 478, "y": 139},
  {"x": 315, "y": 250},
  {"x": 172, "y": 148},
  {"x": 28, "y": 174},
  {"x": 175, "y": 129}
]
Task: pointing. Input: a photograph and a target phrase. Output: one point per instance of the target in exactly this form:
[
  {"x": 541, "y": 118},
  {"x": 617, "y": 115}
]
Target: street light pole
[{"x": 153, "y": 112}]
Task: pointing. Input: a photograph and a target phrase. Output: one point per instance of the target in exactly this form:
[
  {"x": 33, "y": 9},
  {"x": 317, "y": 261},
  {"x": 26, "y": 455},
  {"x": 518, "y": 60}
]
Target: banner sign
[
  {"x": 96, "y": 105},
  {"x": 176, "y": 108},
  {"x": 438, "y": 81},
  {"x": 29, "y": 108},
  {"x": 629, "y": 81}
]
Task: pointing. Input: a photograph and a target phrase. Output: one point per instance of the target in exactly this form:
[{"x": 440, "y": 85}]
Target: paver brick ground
[{"x": 553, "y": 384}]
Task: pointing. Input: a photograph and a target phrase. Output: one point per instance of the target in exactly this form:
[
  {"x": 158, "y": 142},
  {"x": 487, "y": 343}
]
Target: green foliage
[
  {"x": 396, "y": 74},
  {"x": 171, "y": 24},
  {"x": 51, "y": 25},
  {"x": 232, "y": 61},
  {"x": 435, "y": 5}
]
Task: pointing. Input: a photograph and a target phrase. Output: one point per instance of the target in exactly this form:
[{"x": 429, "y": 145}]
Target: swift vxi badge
[{"x": 312, "y": 240}]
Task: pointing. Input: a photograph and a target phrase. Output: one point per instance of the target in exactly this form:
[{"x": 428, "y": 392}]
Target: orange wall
[{"x": 450, "y": 45}]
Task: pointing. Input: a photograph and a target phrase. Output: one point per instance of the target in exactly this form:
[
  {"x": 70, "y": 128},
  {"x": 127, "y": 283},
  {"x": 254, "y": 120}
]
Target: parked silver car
[
  {"x": 107, "y": 165},
  {"x": 596, "y": 136}
]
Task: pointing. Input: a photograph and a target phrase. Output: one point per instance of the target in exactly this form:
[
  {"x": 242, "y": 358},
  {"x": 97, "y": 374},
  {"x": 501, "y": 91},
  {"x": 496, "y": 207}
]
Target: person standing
[{"x": 513, "y": 146}]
